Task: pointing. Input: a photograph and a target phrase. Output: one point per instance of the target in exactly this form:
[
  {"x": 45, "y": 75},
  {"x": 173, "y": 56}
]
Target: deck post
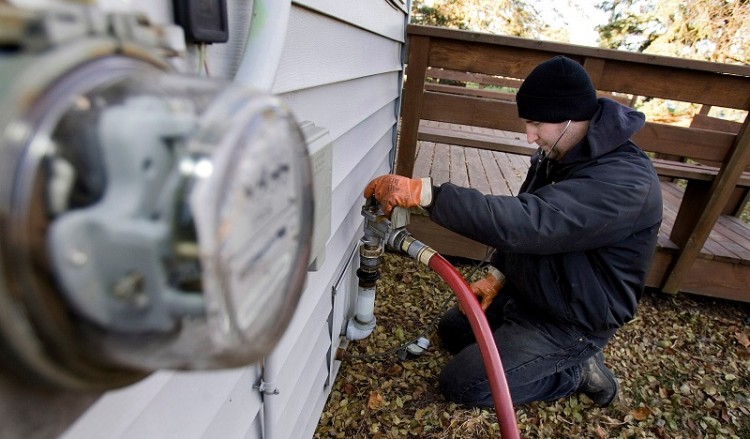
[
  {"x": 411, "y": 108},
  {"x": 719, "y": 194},
  {"x": 694, "y": 200}
]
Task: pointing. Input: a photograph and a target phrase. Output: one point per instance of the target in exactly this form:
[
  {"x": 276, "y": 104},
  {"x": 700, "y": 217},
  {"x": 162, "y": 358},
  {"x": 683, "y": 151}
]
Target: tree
[
  {"x": 447, "y": 13},
  {"x": 507, "y": 17},
  {"x": 710, "y": 30}
]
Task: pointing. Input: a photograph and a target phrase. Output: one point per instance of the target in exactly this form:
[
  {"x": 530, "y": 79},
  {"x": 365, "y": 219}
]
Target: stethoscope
[{"x": 544, "y": 157}]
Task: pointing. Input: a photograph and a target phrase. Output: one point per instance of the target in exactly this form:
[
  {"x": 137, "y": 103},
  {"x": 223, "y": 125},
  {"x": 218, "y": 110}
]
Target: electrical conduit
[
  {"x": 265, "y": 42},
  {"x": 258, "y": 68}
]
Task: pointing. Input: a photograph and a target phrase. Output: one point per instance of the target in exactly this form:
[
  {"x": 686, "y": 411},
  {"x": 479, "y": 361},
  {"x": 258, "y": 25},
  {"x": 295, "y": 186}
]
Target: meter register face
[{"x": 148, "y": 219}]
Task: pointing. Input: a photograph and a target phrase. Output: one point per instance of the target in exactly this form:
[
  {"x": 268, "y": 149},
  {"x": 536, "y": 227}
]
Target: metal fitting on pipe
[
  {"x": 379, "y": 231},
  {"x": 363, "y": 322},
  {"x": 417, "y": 250}
]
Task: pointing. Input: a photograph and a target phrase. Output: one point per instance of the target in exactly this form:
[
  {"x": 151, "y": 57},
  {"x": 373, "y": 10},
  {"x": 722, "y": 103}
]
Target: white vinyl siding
[
  {"x": 321, "y": 50},
  {"x": 176, "y": 405},
  {"x": 341, "y": 69}
]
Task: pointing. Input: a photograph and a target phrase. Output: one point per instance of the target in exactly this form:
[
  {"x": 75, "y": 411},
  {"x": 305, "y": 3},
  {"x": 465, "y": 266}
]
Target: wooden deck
[{"x": 725, "y": 254}]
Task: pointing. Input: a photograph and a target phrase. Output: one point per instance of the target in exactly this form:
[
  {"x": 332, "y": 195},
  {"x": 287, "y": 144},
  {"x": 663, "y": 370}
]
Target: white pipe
[
  {"x": 258, "y": 66},
  {"x": 365, "y": 304},
  {"x": 265, "y": 42},
  {"x": 363, "y": 322}
]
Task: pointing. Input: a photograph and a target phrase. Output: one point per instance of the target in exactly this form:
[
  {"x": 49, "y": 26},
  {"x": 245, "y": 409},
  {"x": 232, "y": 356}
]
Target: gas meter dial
[{"x": 147, "y": 219}]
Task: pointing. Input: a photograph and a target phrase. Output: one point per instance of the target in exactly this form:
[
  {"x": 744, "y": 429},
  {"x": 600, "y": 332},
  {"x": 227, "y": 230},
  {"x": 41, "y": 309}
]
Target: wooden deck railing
[{"x": 684, "y": 152}]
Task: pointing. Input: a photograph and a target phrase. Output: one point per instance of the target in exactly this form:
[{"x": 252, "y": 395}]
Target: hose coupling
[{"x": 417, "y": 249}]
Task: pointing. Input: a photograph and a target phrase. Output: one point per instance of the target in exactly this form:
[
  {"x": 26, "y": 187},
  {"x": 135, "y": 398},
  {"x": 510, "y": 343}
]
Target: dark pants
[{"x": 541, "y": 358}]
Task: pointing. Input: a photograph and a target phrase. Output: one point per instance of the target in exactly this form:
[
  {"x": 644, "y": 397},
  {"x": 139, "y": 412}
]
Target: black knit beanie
[{"x": 555, "y": 91}]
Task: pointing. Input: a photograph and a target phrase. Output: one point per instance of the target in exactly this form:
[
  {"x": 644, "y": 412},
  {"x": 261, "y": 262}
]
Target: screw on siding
[
  {"x": 130, "y": 288},
  {"x": 78, "y": 257}
]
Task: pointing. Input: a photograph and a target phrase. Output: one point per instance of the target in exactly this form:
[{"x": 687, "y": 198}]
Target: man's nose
[{"x": 531, "y": 137}]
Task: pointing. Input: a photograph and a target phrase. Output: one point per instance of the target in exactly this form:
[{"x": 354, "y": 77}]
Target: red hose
[{"x": 506, "y": 417}]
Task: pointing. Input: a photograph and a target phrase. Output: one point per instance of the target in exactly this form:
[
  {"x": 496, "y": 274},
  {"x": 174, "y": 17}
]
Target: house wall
[{"x": 339, "y": 67}]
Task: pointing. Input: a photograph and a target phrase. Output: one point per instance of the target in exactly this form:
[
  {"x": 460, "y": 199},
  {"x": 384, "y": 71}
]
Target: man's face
[{"x": 545, "y": 135}]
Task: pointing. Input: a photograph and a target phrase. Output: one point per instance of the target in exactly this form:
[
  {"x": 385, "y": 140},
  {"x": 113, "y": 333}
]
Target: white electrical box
[{"x": 320, "y": 148}]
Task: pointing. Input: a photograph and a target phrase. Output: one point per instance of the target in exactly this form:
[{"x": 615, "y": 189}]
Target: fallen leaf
[
  {"x": 376, "y": 400},
  {"x": 742, "y": 339},
  {"x": 349, "y": 389},
  {"x": 394, "y": 370},
  {"x": 641, "y": 413},
  {"x": 663, "y": 392}
]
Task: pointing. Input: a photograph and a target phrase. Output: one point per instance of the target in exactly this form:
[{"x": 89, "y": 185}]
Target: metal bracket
[{"x": 266, "y": 388}]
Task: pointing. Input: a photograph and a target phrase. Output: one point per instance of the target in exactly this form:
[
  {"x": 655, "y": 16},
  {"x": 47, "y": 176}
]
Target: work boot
[{"x": 597, "y": 381}]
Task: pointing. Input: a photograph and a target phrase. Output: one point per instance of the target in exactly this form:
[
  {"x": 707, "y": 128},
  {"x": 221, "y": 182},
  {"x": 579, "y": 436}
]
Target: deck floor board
[{"x": 497, "y": 182}]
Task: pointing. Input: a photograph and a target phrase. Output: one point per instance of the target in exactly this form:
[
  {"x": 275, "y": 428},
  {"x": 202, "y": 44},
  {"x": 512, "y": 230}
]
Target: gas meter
[{"x": 147, "y": 219}]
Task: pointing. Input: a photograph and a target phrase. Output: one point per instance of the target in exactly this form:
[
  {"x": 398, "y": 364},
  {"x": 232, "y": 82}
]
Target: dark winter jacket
[{"x": 576, "y": 244}]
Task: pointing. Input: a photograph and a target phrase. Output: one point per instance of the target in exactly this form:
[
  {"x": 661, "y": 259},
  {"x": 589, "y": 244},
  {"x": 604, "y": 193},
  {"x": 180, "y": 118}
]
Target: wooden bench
[
  {"x": 445, "y": 84},
  {"x": 697, "y": 177},
  {"x": 495, "y": 162}
]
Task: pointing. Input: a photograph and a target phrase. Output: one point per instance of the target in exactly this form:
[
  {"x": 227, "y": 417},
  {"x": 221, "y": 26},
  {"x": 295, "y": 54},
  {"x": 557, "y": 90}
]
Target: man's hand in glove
[
  {"x": 487, "y": 288},
  {"x": 395, "y": 190}
]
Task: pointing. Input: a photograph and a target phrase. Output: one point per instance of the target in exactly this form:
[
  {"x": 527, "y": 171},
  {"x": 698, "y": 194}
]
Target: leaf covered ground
[{"x": 683, "y": 366}]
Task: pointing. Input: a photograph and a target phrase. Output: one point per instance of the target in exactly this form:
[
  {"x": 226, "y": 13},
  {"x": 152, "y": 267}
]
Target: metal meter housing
[{"x": 148, "y": 219}]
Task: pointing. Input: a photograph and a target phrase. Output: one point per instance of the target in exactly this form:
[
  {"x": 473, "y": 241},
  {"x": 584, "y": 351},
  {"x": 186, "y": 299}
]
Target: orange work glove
[
  {"x": 395, "y": 190},
  {"x": 486, "y": 289}
]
